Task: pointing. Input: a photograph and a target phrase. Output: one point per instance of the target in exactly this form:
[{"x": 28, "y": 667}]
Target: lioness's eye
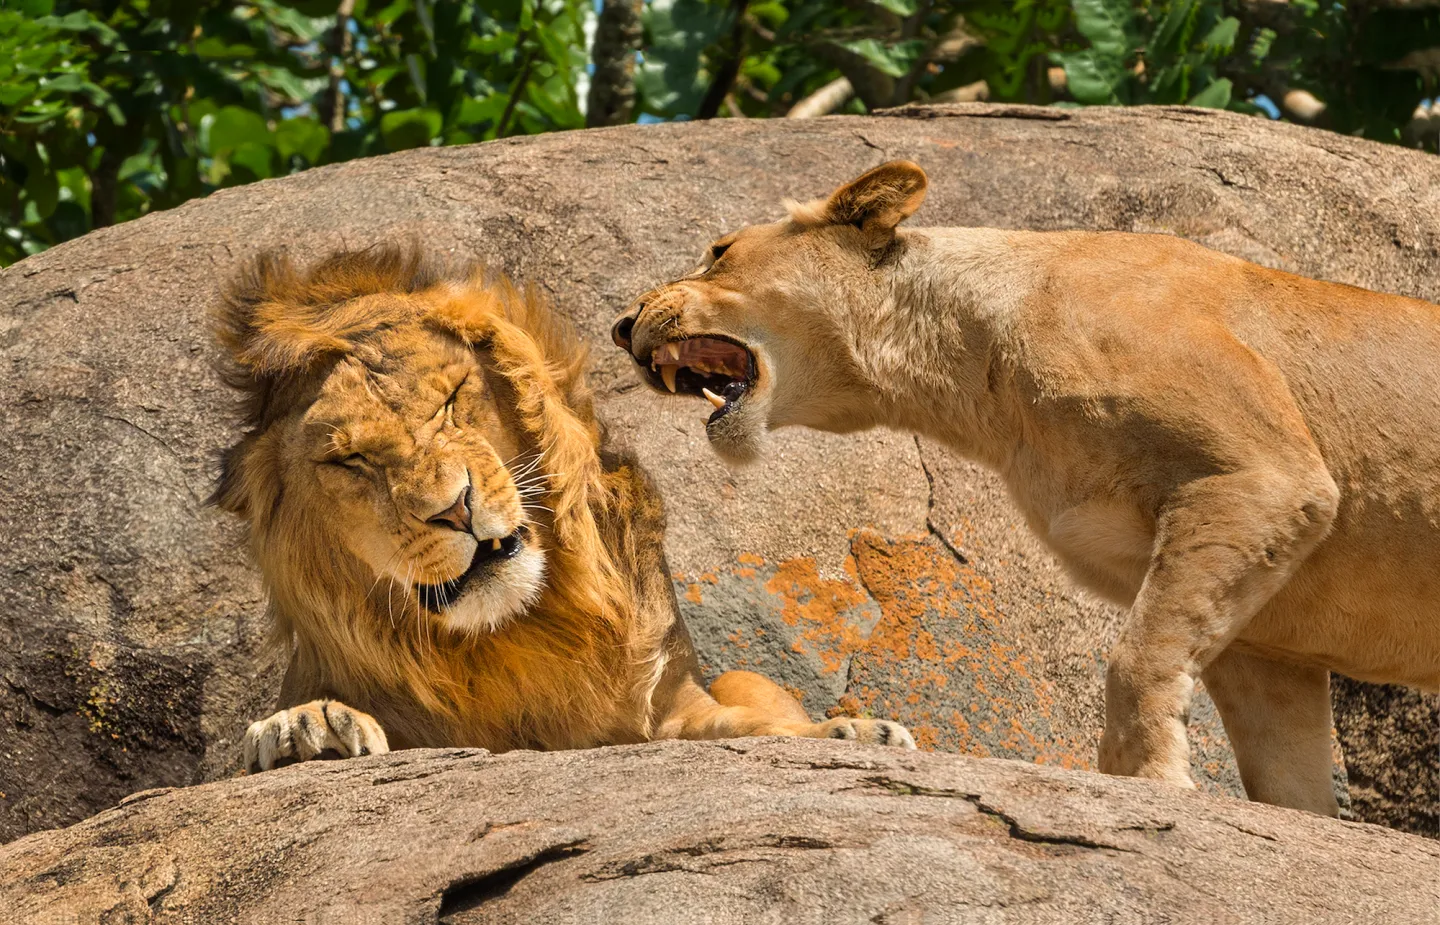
[{"x": 353, "y": 461}]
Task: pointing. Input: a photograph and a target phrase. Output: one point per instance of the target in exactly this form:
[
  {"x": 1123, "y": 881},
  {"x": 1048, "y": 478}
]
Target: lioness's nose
[
  {"x": 624, "y": 325},
  {"x": 457, "y": 515}
]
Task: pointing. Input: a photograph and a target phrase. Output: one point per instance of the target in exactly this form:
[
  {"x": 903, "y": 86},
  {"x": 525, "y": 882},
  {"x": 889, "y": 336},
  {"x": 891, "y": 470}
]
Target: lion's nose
[
  {"x": 625, "y": 326},
  {"x": 457, "y": 515}
]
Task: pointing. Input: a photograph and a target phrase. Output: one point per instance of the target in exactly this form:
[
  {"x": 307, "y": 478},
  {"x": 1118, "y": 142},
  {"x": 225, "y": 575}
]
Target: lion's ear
[
  {"x": 879, "y": 200},
  {"x": 247, "y": 486}
]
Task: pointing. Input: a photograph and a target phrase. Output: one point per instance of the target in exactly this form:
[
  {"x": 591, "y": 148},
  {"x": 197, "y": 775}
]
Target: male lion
[
  {"x": 451, "y": 556},
  {"x": 1248, "y": 460}
]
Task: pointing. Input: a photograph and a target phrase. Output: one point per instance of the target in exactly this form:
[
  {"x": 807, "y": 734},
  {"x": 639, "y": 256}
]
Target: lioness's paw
[
  {"x": 303, "y": 732},
  {"x": 866, "y": 731}
]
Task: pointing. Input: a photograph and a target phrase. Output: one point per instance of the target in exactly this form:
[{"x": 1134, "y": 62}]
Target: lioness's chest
[{"x": 1104, "y": 542}]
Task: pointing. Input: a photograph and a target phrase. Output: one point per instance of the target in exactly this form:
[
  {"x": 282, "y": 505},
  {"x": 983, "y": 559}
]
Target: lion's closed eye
[{"x": 448, "y": 409}]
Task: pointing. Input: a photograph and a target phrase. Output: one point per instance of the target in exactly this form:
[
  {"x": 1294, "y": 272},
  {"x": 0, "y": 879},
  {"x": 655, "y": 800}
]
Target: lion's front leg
[
  {"x": 309, "y": 730},
  {"x": 865, "y": 731},
  {"x": 1224, "y": 547}
]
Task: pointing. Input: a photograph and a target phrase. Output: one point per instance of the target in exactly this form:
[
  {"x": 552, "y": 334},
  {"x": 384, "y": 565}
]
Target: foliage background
[{"x": 113, "y": 108}]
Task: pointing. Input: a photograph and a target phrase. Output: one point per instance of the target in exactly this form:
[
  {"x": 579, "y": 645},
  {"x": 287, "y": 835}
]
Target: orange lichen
[
  {"x": 940, "y": 658},
  {"x": 819, "y": 609}
]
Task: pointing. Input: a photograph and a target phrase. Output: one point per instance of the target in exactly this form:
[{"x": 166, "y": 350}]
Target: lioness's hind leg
[
  {"x": 309, "y": 730},
  {"x": 1277, "y": 715}
]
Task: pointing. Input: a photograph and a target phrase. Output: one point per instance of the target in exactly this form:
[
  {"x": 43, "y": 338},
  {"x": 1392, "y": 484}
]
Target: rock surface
[
  {"x": 870, "y": 573},
  {"x": 753, "y": 830}
]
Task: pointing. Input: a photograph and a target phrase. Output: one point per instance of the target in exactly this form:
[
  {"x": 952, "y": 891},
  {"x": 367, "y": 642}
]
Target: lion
[
  {"x": 1247, "y": 460},
  {"x": 452, "y": 554}
]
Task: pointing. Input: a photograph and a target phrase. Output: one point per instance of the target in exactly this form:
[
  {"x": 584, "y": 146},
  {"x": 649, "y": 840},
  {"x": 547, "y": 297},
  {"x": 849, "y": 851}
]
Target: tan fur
[
  {"x": 400, "y": 419},
  {"x": 1248, "y": 460}
]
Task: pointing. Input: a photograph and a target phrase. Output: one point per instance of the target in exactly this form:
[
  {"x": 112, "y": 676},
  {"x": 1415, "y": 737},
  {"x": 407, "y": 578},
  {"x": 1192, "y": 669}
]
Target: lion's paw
[
  {"x": 866, "y": 731},
  {"x": 305, "y": 732}
]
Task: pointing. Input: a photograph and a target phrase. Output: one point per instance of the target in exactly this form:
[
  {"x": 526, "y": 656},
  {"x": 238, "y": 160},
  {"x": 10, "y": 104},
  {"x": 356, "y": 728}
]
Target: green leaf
[
  {"x": 41, "y": 193},
  {"x": 1215, "y": 96},
  {"x": 1107, "y": 24},
  {"x": 64, "y": 83},
  {"x": 311, "y": 7},
  {"x": 302, "y": 136},
  {"x": 12, "y": 94},
  {"x": 214, "y": 47},
  {"x": 232, "y": 127},
  {"x": 1091, "y": 77},
  {"x": 1260, "y": 45},
  {"x": 409, "y": 128},
  {"x": 899, "y": 7},
  {"x": 1170, "y": 28},
  {"x": 895, "y": 60},
  {"x": 669, "y": 77},
  {"x": 1221, "y": 39},
  {"x": 257, "y": 158}
]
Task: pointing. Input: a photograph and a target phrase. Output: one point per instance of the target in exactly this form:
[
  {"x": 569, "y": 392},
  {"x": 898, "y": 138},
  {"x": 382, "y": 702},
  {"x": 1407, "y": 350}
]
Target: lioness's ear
[{"x": 880, "y": 199}]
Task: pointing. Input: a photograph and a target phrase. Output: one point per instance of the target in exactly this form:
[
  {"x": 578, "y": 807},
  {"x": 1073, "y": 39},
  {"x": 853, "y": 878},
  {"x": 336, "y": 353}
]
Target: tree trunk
[{"x": 612, "y": 87}]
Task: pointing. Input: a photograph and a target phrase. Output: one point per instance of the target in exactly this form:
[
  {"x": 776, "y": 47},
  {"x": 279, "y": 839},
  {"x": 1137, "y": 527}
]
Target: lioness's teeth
[
  {"x": 495, "y": 545},
  {"x": 667, "y": 372},
  {"x": 714, "y": 399},
  {"x": 670, "y": 352}
]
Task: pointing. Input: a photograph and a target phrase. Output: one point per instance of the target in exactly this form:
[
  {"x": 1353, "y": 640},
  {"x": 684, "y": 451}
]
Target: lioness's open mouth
[
  {"x": 718, "y": 369},
  {"x": 438, "y": 597}
]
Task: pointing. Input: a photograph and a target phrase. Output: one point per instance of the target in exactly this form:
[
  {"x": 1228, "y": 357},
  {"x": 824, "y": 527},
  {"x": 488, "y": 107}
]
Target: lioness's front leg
[
  {"x": 742, "y": 703},
  {"x": 304, "y": 732},
  {"x": 1225, "y": 545}
]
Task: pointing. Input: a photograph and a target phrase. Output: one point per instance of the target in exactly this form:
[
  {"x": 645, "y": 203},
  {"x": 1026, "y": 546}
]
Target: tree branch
[
  {"x": 519, "y": 87},
  {"x": 729, "y": 68},
  {"x": 823, "y": 101},
  {"x": 332, "y": 107}
]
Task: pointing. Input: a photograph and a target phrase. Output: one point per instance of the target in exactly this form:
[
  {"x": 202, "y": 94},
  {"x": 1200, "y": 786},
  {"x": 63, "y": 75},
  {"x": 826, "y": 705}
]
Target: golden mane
[{"x": 566, "y": 673}]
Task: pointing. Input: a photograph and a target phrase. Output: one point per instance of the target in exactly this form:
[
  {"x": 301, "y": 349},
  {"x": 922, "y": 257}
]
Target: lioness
[
  {"x": 1248, "y": 460},
  {"x": 451, "y": 556}
]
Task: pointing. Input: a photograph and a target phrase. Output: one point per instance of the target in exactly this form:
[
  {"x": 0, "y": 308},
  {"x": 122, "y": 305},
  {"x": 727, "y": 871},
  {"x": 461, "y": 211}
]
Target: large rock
[
  {"x": 677, "y": 832},
  {"x": 872, "y": 573}
]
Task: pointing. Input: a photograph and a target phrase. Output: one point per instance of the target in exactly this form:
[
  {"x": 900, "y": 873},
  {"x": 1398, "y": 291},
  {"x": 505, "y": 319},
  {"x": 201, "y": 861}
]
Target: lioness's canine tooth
[
  {"x": 671, "y": 352},
  {"x": 667, "y": 372},
  {"x": 714, "y": 399},
  {"x": 495, "y": 545}
]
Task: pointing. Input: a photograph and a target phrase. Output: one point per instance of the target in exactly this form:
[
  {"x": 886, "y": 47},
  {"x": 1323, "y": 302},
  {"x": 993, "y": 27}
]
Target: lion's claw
[
  {"x": 305, "y": 732},
  {"x": 867, "y": 731}
]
